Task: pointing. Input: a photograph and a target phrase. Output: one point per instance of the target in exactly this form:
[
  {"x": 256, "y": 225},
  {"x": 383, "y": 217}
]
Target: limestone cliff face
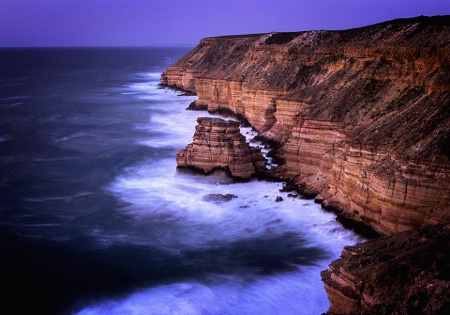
[
  {"x": 403, "y": 274},
  {"x": 218, "y": 144},
  {"x": 361, "y": 117}
]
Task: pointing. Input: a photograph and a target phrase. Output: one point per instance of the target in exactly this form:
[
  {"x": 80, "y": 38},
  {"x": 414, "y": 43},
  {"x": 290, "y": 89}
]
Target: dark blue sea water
[{"x": 95, "y": 218}]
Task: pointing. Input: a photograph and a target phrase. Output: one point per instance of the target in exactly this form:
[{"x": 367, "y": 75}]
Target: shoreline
[
  {"x": 273, "y": 175},
  {"x": 359, "y": 119}
]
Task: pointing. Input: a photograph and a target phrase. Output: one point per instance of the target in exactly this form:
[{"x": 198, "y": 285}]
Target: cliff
[
  {"x": 361, "y": 120},
  {"x": 361, "y": 117},
  {"x": 408, "y": 273},
  {"x": 218, "y": 144}
]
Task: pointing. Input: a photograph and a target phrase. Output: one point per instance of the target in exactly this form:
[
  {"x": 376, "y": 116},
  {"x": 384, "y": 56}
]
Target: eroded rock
[
  {"x": 361, "y": 117},
  {"x": 218, "y": 198},
  {"x": 361, "y": 121},
  {"x": 407, "y": 273},
  {"x": 218, "y": 144}
]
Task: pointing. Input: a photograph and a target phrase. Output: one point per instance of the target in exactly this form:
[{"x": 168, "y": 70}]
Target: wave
[
  {"x": 155, "y": 191},
  {"x": 12, "y": 98},
  {"x": 68, "y": 198},
  {"x": 154, "y": 76},
  {"x": 250, "y": 253},
  {"x": 75, "y": 135},
  {"x": 293, "y": 293}
]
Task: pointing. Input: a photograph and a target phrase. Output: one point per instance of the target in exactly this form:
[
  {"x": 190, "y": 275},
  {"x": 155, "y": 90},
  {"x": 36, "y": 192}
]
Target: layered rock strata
[
  {"x": 218, "y": 144},
  {"x": 361, "y": 117},
  {"x": 408, "y": 273}
]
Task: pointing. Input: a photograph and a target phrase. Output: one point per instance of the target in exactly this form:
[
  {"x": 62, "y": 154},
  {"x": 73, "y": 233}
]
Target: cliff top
[{"x": 410, "y": 26}]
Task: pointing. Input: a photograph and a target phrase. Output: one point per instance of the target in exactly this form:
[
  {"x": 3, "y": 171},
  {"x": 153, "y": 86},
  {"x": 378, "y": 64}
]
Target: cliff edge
[{"x": 361, "y": 117}]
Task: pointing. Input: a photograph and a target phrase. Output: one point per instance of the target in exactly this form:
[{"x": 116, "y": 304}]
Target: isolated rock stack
[{"x": 218, "y": 144}]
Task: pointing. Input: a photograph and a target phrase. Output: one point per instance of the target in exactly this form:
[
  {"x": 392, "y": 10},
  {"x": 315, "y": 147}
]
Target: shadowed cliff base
[{"x": 361, "y": 121}]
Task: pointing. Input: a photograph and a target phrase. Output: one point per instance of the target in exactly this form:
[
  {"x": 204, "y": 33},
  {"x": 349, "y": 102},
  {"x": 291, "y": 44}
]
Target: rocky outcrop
[
  {"x": 361, "y": 117},
  {"x": 218, "y": 144},
  {"x": 408, "y": 273}
]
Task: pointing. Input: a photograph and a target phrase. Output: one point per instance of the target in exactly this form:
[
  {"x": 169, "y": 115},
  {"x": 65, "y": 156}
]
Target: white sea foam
[
  {"x": 186, "y": 191},
  {"x": 151, "y": 75},
  {"x": 168, "y": 116},
  {"x": 145, "y": 87},
  {"x": 250, "y": 135},
  {"x": 151, "y": 90},
  {"x": 253, "y": 213},
  {"x": 156, "y": 192},
  {"x": 293, "y": 293}
]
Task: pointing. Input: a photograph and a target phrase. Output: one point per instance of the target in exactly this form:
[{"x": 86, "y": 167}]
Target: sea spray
[
  {"x": 96, "y": 218},
  {"x": 257, "y": 256}
]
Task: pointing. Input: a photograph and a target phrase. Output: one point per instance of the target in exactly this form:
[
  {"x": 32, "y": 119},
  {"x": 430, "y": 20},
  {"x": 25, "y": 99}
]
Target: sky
[{"x": 36, "y": 23}]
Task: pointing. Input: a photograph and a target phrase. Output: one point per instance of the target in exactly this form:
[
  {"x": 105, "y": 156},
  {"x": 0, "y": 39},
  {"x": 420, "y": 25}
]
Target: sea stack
[{"x": 218, "y": 144}]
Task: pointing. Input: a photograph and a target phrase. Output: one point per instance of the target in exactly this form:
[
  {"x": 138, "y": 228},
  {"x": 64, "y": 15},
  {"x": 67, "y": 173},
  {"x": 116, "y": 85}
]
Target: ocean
[{"x": 95, "y": 218}]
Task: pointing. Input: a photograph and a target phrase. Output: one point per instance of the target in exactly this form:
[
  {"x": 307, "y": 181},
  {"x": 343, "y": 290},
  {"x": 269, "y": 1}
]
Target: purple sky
[{"x": 172, "y": 22}]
